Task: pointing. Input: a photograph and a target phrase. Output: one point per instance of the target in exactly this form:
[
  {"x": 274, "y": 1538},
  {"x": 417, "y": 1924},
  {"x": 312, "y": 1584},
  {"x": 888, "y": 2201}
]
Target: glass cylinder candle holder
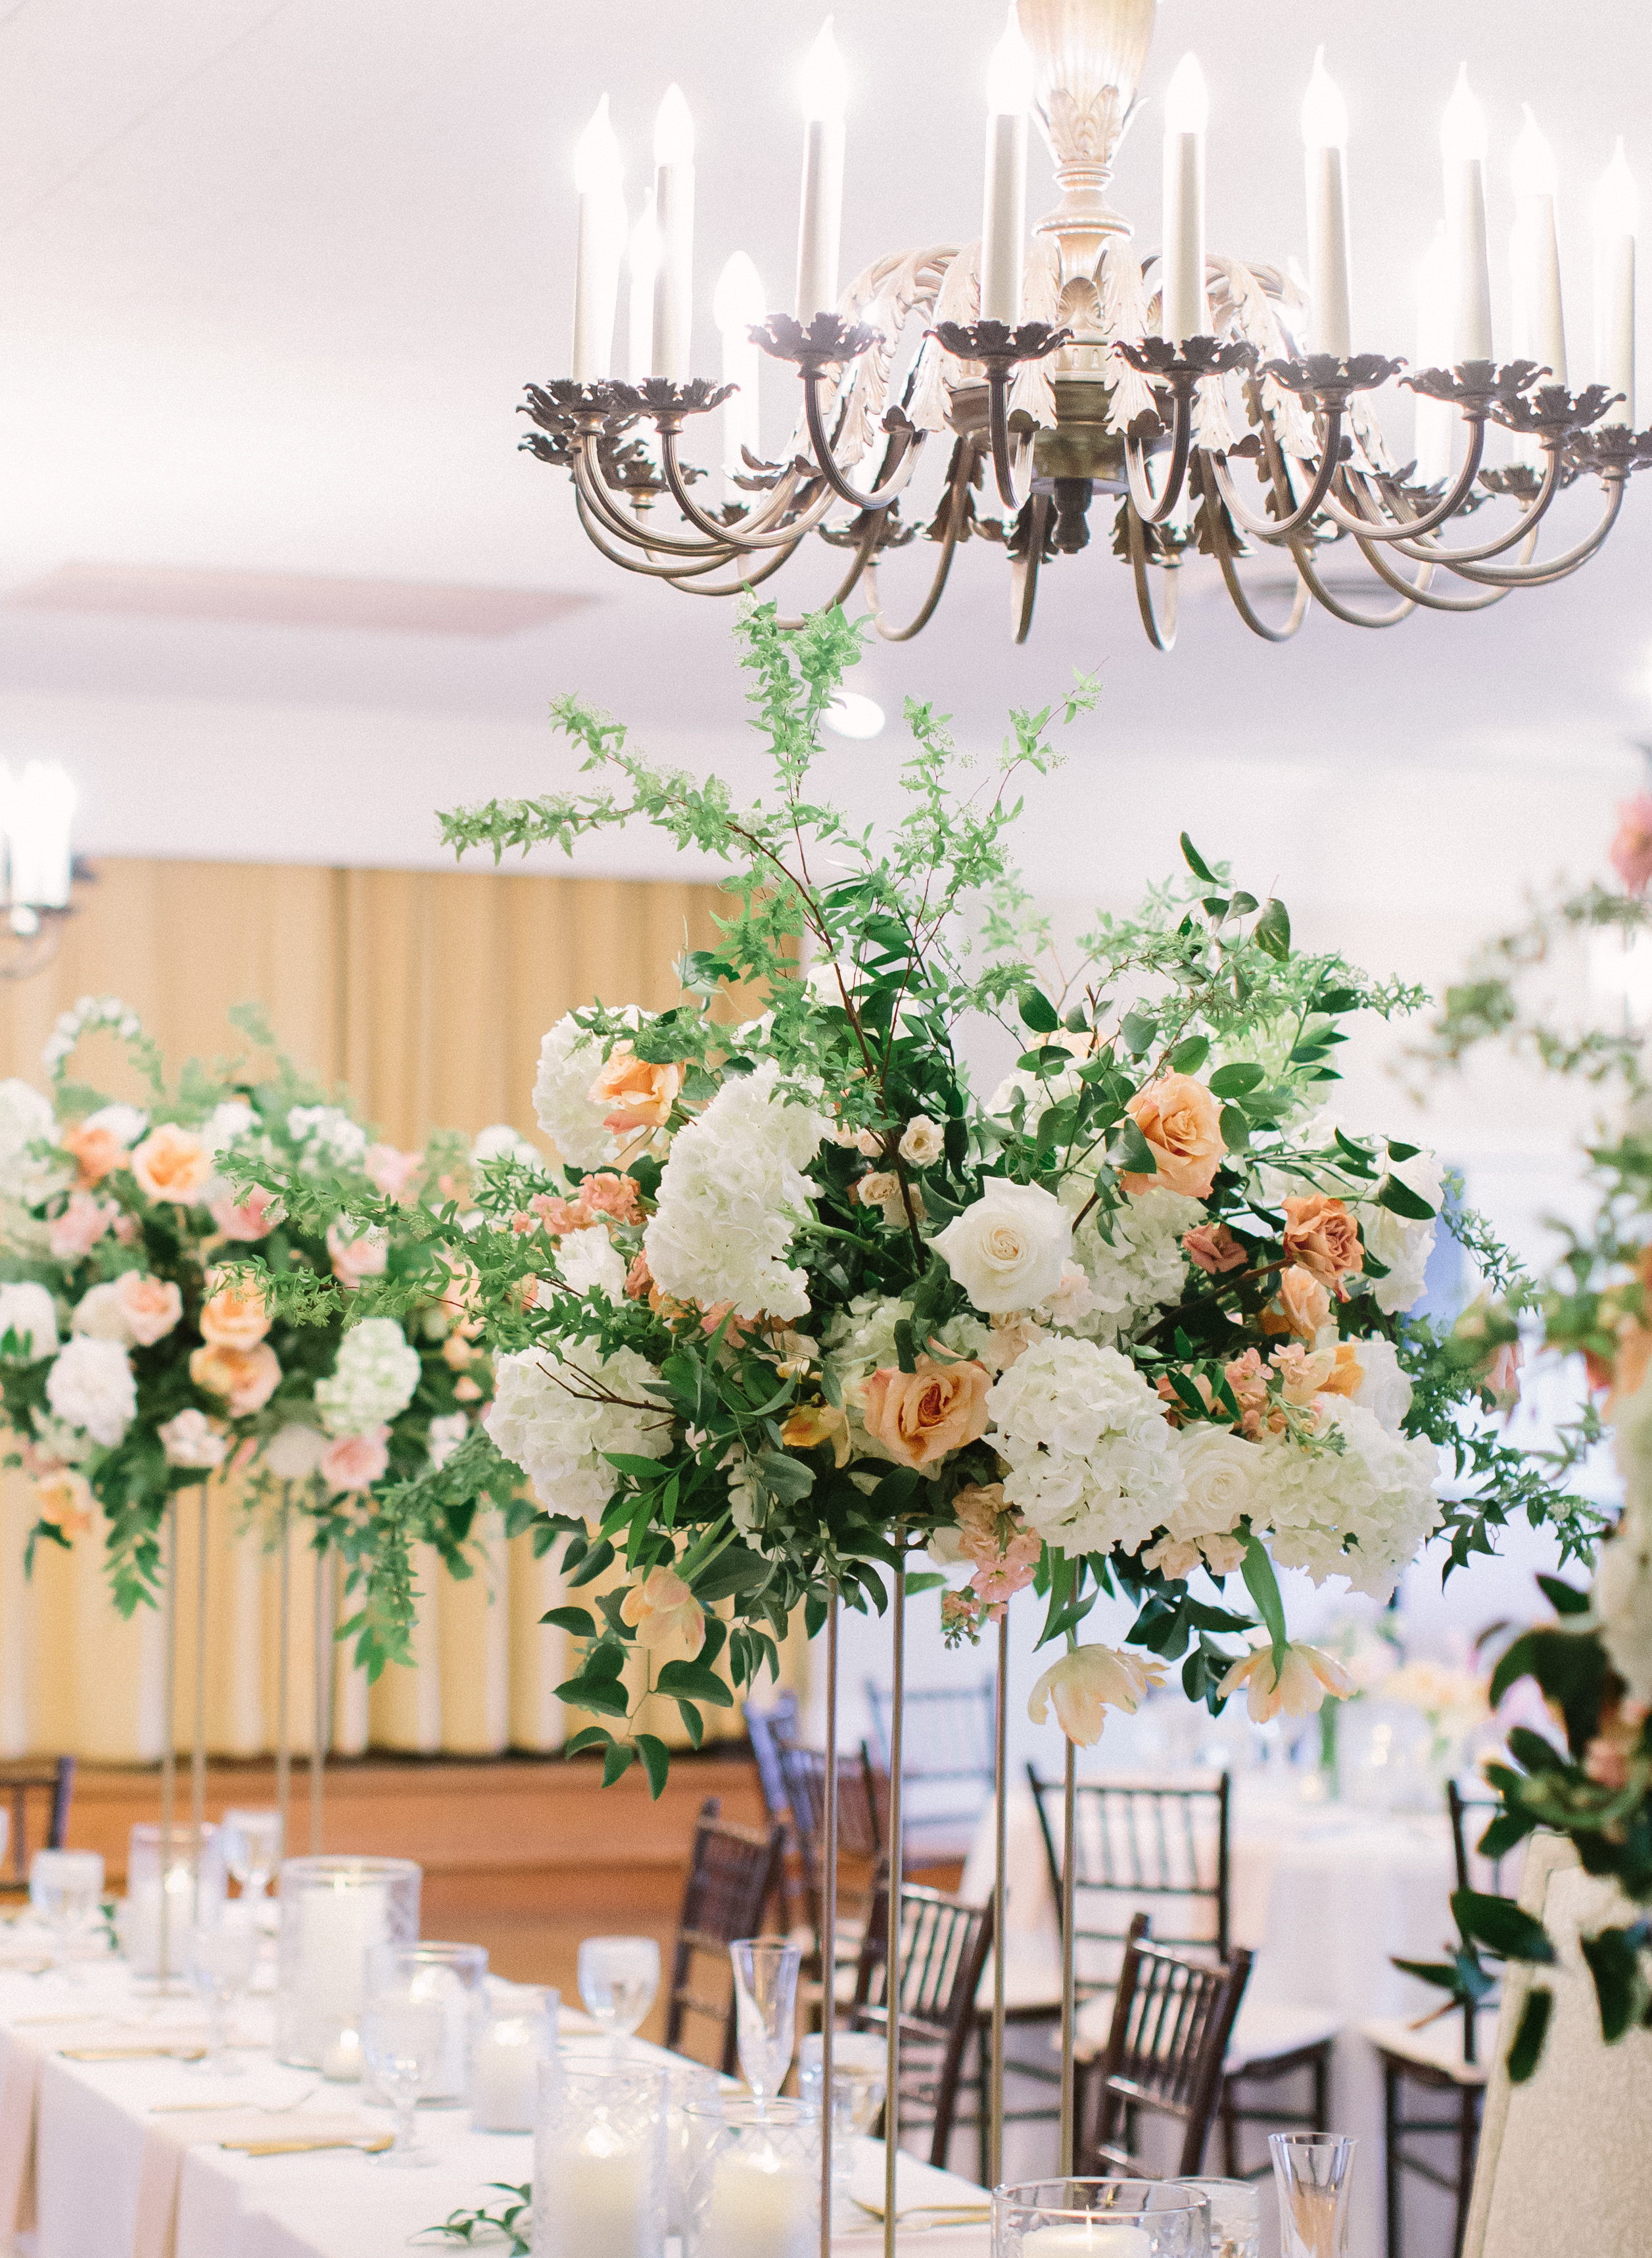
[
  {"x": 334, "y": 1912},
  {"x": 1236, "y": 2215},
  {"x": 859, "y": 2064},
  {"x": 1100, "y": 2219},
  {"x": 754, "y": 2189},
  {"x": 190, "y": 1871},
  {"x": 599, "y": 2159},
  {"x": 516, "y": 2030},
  {"x": 694, "y": 2096},
  {"x": 449, "y": 1976}
]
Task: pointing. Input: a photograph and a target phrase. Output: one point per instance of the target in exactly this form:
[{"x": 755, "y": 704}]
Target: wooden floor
[{"x": 526, "y": 1856}]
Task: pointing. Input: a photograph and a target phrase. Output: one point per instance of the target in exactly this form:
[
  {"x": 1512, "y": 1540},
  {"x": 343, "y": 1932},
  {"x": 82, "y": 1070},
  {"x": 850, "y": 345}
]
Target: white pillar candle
[
  {"x": 1186, "y": 312},
  {"x": 140, "y": 1930},
  {"x": 1436, "y": 418},
  {"x": 341, "y": 2061},
  {"x": 602, "y": 2208},
  {"x": 339, "y": 1926},
  {"x": 1536, "y": 253},
  {"x": 599, "y": 180},
  {"x": 1325, "y": 138},
  {"x": 820, "y": 217},
  {"x": 674, "y": 219},
  {"x": 1094, "y": 2238},
  {"x": 1004, "y": 219},
  {"x": 760, "y": 2207},
  {"x": 1617, "y": 220},
  {"x": 504, "y": 2068},
  {"x": 642, "y": 259},
  {"x": 736, "y": 307},
  {"x": 443, "y": 1988},
  {"x": 1463, "y": 148}
]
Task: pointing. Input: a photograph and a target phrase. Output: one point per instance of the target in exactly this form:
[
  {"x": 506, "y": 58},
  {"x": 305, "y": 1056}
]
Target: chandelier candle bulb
[
  {"x": 1003, "y": 224},
  {"x": 1325, "y": 137},
  {"x": 674, "y": 222},
  {"x": 1617, "y": 220},
  {"x": 599, "y": 180},
  {"x": 1536, "y": 251},
  {"x": 1463, "y": 147},
  {"x": 642, "y": 259},
  {"x": 1186, "y": 312},
  {"x": 37, "y": 813},
  {"x": 820, "y": 221},
  {"x": 737, "y": 307}
]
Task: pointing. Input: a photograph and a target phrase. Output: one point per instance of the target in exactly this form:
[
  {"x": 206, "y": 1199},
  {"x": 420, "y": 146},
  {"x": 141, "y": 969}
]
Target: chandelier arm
[
  {"x": 690, "y": 584},
  {"x": 840, "y": 596},
  {"x": 1433, "y": 552},
  {"x": 676, "y": 571},
  {"x": 1023, "y": 571},
  {"x": 1222, "y": 542},
  {"x": 624, "y": 527},
  {"x": 948, "y": 546},
  {"x": 1409, "y": 597},
  {"x": 1155, "y": 508},
  {"x": 1388, "y": 528},
  {"x": 998, "y": 431},
  {"x": 764, "y": 529},
  {"x": 1525, "y": 574},
  {"x": 899, "y": 462},
  {"x": 1278, "y": 533},
  {"x": 1418, "y": 592},
  {"x": 1160, "y": 633}
]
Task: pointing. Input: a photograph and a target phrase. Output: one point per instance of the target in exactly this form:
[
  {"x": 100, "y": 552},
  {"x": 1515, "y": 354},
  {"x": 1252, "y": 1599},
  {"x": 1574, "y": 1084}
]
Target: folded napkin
[
  {"x": 19, "y": 2103},
  {"x": 170, "y": 2134}
]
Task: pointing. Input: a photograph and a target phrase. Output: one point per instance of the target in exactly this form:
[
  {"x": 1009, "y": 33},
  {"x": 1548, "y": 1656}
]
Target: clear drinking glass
[
  {"x": 618, "y": 1976},
  {"x": 1236, "y": 2215},
  {"x": 65, "y": 1889},
  {"x": 251, "y": 1842},
  {"x": 1111, "y": 2219},
  {"x": 765, "y": 2010},
  {"x": 860, "y": 2062},
  {"x": 1313, "y": 2172},
  {"x": 402, "y": 2043},
  {"x": 219, "y": 1960},
  {"x": 451, "y": 1977}
]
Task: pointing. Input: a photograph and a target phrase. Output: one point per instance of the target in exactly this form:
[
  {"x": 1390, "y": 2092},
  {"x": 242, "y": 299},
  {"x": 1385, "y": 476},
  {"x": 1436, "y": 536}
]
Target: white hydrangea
[
  {"x": 1404, "y": 1246},
  {"x": 1090, "y": 1455},
  {"x": 1140, "y": 1268},
  {"x": 327, "y": 1136},
  {"x": 588, "y": 1262},
  {"x": 445, "y": 1436},
  {"x": 28, "y": 1312},
  {"x": 1623, "y": 1599},
  {"x": 91, "y": 1386},
  {"x": 225, "y": 1123},
  {"x": 25, "y": 1118},
  {"x": 295, "y": 1452},
  {"x": 727, "y": 1198},
  {"x": 125, "y": 1124},
  {"x": 570, "y": 1059},
  {"x": 373, "y": 1378},
  {"x": 502, "y": 1141},
  {"x": 552, "y": 1417},
  {"x": 1378, "y": 1489}
]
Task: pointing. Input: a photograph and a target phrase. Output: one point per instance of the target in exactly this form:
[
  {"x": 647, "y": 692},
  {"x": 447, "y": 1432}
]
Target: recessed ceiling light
[{"x": 851, "y": 715}]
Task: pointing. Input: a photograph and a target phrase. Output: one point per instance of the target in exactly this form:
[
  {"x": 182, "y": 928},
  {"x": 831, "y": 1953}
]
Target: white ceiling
[{"x": 272, "y": 275}]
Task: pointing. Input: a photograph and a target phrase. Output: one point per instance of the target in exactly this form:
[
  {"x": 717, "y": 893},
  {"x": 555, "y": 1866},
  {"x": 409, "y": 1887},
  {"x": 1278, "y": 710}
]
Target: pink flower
[
  {"x": 356, "y": 1461},
  {"x": 80, "y": 1225},
  {"x": 173, "y": 1163},
  {"x": 1631, "y": 850},
  {"x": 151, "y": 1306},
  {"x": 362, "y": 1256},
  {"x": 126, "y": 1229},
  {"x": 253, "y": 1219},
  {"x": 389, "y": 1170},
  {"x": 997, "y": 1581},
  {"x": 1214, "y": 1247}
]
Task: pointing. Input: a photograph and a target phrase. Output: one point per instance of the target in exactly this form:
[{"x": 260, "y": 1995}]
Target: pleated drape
[{"x": 427, "y": 993}]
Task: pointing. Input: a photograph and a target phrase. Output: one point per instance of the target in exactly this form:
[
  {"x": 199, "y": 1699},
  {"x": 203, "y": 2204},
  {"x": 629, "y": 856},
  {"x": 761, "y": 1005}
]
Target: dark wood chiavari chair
[
  {"x": 947, "y": 1751},
  {"x": 1172, "y": 2019},
  {"x": 732, "y": 1872},
  {"x": 862, "y": 1815},
  {"x": 51, "y": 1782},
  {"x": 944, "y": 1947}
]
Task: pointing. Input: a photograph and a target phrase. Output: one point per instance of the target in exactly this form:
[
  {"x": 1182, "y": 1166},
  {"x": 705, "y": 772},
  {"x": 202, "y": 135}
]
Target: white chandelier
[{"x": 1220, "y": 405}]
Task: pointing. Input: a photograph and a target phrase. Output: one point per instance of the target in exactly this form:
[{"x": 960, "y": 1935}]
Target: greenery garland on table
[{"x": 802, "y": 1302}]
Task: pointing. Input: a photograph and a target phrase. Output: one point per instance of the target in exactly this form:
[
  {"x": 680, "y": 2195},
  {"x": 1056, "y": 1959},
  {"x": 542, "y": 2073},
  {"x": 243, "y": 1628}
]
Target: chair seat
[
  {"x": 1032, "y": 1977},
  {"x": 1436, "y": 2049},
  {"x": 1265, "y": 2032}
]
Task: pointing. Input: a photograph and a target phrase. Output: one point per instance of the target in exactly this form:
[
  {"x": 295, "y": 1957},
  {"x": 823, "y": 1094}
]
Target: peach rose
[
  {"x": 173, "y": 1163},
  {"x": 607, "y": 1194},
  {"x": 1322, "y": 1235},
  {"x": 82, "y": 1225},
  {"x": 359, "y": 1255},
  {"x": 356, "y": 1461},
  {"x": 1304, "y": 1304},
  {"x": 1182, "y": 1125},
  {"x": 390, "y": 1171},
  {"x": 65, "y": 1499},
  {"x": 663, "y": 1612},
  {"x": 1631, "y": 849},
  {"x": 1214, "y": 1248},
  {"x": 638, "y": 1092},
  {"x": 98, "y": 1151},
  {"x": 235, "y": 1316},
  {"x": 919, "y": 1417},
  {"x": 251, "y": 1219},
  {"x": 151, "y": 1306},
  {"x": 244, "y": 1378},
  {"x": 1347, "y": 1375}
]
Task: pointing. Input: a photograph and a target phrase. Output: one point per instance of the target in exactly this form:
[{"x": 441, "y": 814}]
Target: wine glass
[
  {"x": 618, "y": 1976},
  {"x": 766, "y": 2003},
  {"x": 859, "y": 2064},
  {"x": 65, "y": 1889},
  {"x": 402, "y": 2042},
  {"x": 251, "y": 1842},
  {"x": 219, "y": 1961}
]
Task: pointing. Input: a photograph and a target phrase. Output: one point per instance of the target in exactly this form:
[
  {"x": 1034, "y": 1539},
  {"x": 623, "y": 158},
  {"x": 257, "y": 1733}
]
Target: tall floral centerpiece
[{"x": 803, "y": 1300}]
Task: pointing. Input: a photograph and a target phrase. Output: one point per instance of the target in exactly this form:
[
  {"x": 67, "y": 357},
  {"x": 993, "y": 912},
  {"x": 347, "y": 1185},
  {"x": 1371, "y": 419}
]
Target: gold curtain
[{"x": 427, "y": 992}]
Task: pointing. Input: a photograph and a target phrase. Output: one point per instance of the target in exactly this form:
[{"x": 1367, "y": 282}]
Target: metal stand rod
[
  {"x": 1070, "y": 1869},
  {"x": 892, "y": 1945},
  {"x": 198, "y": 1749},
  {"x": 169, "y": 1743},
  {"x": 321, "y": 1723},
  {"x": 1001, "y": 1775},
  {"x": 829, "y": 1924},
  {"x": 283, "y": 1717}
]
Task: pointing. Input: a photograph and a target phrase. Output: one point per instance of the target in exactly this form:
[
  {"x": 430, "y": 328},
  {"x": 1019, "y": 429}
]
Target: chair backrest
[
  {"x": 861, "y": 1813},
  {"x": 771, "y": 1731},
  {"x": 1472, "y": 1814},
  {"x": 1173, "y": 2018},
  {"x": 732, "y": 1873},
  {"x": 944, "y": 1946},
  {"x": 49, "y": 1786},
  {"x": 949, "y": 1733},
  {"x": 1140, "y": 1847}
]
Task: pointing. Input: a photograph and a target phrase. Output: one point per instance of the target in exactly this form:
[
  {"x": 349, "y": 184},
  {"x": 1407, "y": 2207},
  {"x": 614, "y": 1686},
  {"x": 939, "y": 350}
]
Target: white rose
[
  {"x": 1403, "y": 1245},
  {"x": 124, "y": 1123},
  {"x": 28, "y": 1312},
  {"x": 922, "y": 1142},
  {"x": 588, "y": 1262},
  {"x": 294, "y": 1452},
  {"x": 90, "y": 1385},
  {"x": 190, "y": 1440},
  {"x": 1009, "y": 1250},
  {"x": 100, "y": 1315},
  {"x": 1385, "y": 1391},
  {"x": 1219, "y": 1471}
]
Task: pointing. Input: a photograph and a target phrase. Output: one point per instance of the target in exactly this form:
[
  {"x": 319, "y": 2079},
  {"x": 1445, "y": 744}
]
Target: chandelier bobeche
[{"x": 1063, "y": 369}]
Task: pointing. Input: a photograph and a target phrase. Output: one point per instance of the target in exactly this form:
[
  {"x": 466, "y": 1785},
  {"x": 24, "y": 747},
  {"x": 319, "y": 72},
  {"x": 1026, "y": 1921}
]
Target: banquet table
[
  {"x": 1326, "y": 1894},
  {"x": 115, "y": 2159}
]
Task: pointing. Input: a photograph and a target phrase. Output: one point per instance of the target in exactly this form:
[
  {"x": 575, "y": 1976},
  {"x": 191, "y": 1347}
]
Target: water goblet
[
  {"x": 402, "y": 2043},
  {"x": 618, "y": 1976},
  {"x": 219, "y": 1958},
  {"x": 251, "y": 1844},
  {"x": 765, "y": 2003},
  {"x": 1313, "y": 2172},
  {"x": 859, "y": 2064},
  {"x": 65, "y": 1889}
]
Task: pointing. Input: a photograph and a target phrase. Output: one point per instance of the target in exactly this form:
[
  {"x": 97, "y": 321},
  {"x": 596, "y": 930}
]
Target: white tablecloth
[
  {"x": 102, "y": 2130},
  {"x": 1326, "y": 1895}
]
